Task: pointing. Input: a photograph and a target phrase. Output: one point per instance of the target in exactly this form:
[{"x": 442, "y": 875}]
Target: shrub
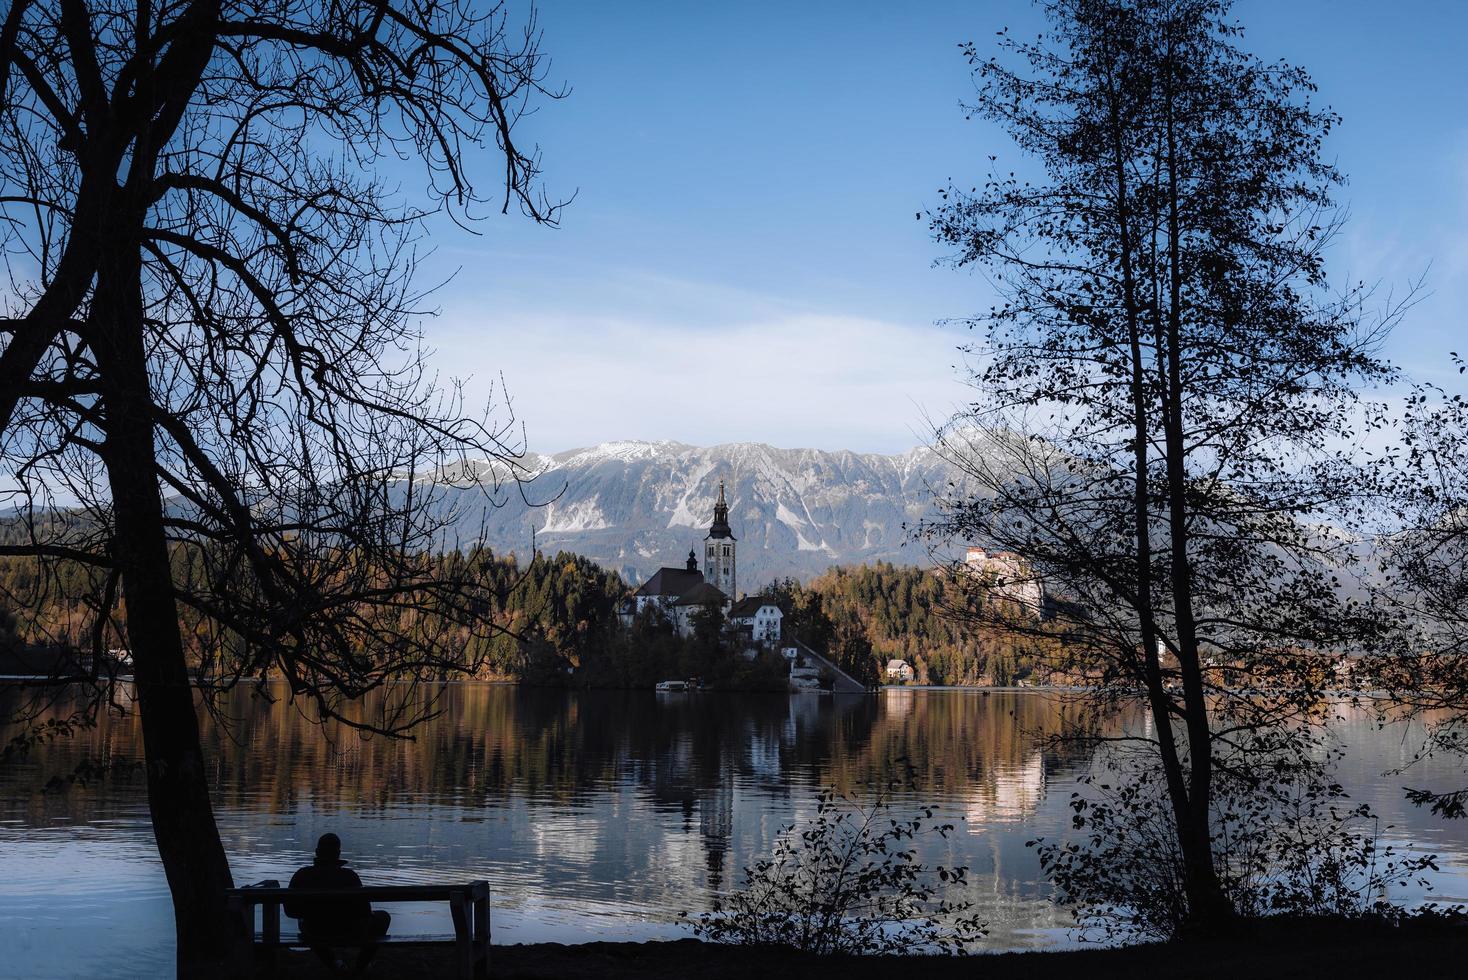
[{"x": 849, "y": 882}]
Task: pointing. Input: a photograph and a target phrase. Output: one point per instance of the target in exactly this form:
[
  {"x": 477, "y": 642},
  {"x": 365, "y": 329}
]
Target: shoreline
[{"x": 1336, "y": 950}]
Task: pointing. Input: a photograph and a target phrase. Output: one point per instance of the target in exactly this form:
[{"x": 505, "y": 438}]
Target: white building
[
  {"x": 1011, "y": 577},
  {"x": 900, "y": 671},
  {"x": 686, "y": 607},
  {"x": 761, "y": 616}
]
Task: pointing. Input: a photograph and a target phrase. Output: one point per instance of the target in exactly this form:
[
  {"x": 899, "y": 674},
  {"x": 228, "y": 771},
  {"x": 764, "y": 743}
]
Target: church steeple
[
  {"x": 720, "y": 527},
  {"x": 692, "y": 561},
  {"x": 718, "y": 550}
]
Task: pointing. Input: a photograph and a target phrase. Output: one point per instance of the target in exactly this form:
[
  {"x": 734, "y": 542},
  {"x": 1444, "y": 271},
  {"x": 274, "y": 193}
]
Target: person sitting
[{"x": 329, "y": 922}]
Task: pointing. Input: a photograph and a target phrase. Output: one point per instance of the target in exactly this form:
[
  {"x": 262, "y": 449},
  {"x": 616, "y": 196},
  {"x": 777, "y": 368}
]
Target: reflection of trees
[
  {"x": 623, "y": 797},
  {"x": 699, "y": 755},
  {"x": 958, "y": 742},
  {"x": 495, "y": 741}
]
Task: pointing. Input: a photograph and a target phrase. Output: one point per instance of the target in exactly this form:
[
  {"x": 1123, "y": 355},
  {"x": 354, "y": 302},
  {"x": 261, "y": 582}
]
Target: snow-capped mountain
[{"x": 634, "y": 506}]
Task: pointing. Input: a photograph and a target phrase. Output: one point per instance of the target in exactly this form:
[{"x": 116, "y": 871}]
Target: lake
[{"x": 594, "y": 815}]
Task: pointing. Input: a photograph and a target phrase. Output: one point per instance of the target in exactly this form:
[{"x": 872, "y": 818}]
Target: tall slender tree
[
  {"x": 1168, "y": 383},
  {"x": 210, "y": 349}
]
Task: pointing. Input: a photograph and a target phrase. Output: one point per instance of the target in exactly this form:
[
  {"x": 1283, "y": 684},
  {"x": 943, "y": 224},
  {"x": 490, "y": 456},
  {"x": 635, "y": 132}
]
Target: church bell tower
[{"x": 718, "y": 549}]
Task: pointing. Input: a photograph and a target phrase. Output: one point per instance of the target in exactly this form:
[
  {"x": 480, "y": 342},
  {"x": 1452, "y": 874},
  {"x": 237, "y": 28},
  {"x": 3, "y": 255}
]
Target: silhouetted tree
[
  {"x": 852, "y": 652},
  {"x": 849, "y": 882},
  {"x": 209, "y": 348},
  {"x": 708, "y": 623},
  {"x": 804, "y": 615},
  {"x": 1165, "y": 384},
  {"x": 1423, "y": 555}
]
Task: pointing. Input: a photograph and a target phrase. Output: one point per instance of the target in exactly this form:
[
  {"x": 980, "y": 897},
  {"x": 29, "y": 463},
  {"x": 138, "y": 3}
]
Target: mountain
[{"x": 634, "y": 506}]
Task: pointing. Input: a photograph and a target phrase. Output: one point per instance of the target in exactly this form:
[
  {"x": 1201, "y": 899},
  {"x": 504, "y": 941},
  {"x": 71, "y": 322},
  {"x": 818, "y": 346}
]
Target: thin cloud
[{"x": 825, "y": 381}]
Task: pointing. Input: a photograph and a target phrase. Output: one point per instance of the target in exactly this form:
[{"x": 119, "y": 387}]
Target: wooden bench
[{"x": 468, "y": 903}]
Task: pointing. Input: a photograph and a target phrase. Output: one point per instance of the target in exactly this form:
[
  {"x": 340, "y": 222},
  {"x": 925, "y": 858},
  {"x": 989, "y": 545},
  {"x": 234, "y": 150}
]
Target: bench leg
[
  {"x": 481, "y": 936},
  {"x": 463, "y": 940},
  {"x": 270, "y": 932},
  {"x": 243, "y": 918}
]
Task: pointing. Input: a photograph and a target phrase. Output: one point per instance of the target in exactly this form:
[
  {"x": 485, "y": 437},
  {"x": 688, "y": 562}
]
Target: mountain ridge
[{"x": 635, "y": 505}]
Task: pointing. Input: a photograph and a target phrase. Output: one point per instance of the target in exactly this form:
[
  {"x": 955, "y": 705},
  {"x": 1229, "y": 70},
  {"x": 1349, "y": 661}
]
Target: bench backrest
[{"x": 272, "y": 892}]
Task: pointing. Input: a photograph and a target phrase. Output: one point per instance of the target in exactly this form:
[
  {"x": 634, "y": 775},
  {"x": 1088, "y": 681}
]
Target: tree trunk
[
  {"x": 1158, "y": 700},
  {"x": 178, "y": 790},
  {"x": 1208, "y": 906}
]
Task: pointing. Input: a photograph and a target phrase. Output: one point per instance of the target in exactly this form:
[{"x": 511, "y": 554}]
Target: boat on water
[{"x": 678, "y": 687}]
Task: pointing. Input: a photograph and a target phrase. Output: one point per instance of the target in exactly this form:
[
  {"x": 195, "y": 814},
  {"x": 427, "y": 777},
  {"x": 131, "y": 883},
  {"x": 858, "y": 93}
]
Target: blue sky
[{"x": 742, "y": 260}]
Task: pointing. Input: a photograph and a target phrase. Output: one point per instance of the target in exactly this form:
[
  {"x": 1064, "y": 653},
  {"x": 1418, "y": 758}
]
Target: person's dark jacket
[{"x": 329, "y": 917}]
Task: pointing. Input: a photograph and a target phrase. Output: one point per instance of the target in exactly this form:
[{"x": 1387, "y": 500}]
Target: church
[{"x": 678, "y": 591}]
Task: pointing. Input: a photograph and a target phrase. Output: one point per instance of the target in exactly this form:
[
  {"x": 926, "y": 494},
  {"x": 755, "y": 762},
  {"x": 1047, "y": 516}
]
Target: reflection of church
[
  {"x": 722, "y": 767},
  {"x": 716, "y": 825}
]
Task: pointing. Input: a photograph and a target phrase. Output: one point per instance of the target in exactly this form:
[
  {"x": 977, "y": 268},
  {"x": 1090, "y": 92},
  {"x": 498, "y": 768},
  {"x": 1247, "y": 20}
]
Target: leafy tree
[
  {"x": 1423, "y": 554},
  {"x": 708, "y": 623},
  {"x": 854, "y": 655},
  {"x": 804, "y": 615},
  {"x": 1165, "y": 384}
]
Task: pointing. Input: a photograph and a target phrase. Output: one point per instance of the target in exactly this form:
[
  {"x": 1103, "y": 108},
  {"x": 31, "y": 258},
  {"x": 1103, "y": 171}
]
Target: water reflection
[{"x": 593, "y": 815}]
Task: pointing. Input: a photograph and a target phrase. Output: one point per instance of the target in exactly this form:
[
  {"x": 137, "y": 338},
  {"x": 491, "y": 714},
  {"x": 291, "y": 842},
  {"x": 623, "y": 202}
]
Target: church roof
[
  {"x": 720, "y": 527},
  {"x": 671, "y": 581},
  {"x": 751, "y": 604},
  {"x": 702, "y": 594}
]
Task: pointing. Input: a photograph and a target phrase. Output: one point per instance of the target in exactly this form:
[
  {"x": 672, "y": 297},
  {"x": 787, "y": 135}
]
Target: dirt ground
[{"x": 1302, "y": 951}]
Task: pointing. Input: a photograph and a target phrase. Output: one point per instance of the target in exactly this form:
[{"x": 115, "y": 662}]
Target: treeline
[
  {"x": 553, "y": 611},
  {"x": 48, "y": 604},
  {"x": 867, "y": 615},
  {"x": 555, "y": 622},
  {"x": 564, "y": 601}
]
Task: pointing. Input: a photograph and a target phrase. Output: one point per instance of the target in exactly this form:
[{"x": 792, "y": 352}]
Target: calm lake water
[{"x": 596, "y": 815}]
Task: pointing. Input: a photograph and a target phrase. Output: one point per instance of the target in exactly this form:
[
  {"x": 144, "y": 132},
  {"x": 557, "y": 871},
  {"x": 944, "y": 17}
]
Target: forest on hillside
[{"x": 867, "y": 615}]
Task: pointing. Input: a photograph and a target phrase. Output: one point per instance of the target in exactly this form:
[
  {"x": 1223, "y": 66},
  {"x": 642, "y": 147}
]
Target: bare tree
[
  {"x": 1167, "y": 386},
  {"x": 211, "y": 357}
]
